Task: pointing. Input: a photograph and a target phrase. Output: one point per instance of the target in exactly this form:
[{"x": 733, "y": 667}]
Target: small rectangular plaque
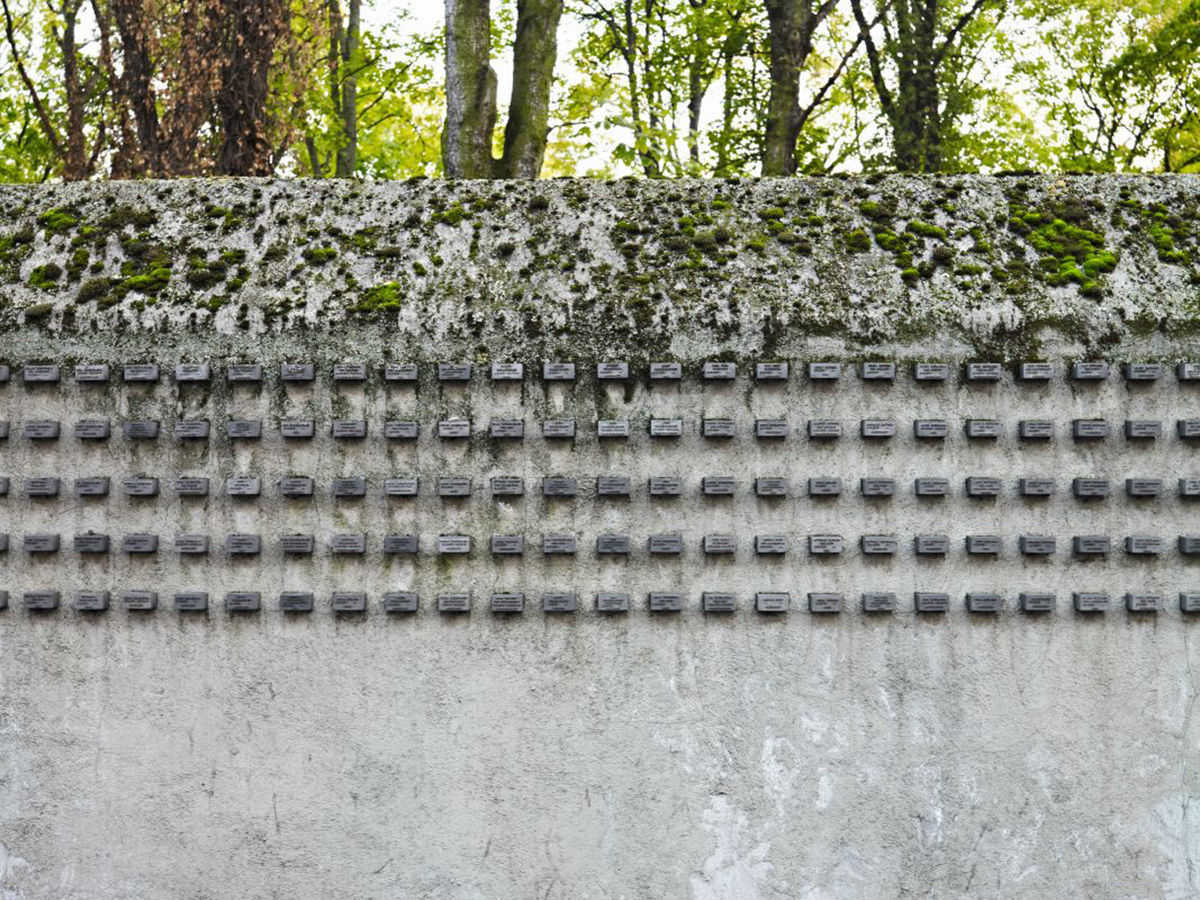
[
  {"x": 510, "y": 371},
  {"x": 824, "y": 429},
  {"x": 139, "y": 543},
  {"x": 770, "y": 544},
  {"x": 191, "y": 487},
  {"x": 771, "y": 371},
  {"x": 666, "y": 486},
  {"x": 244, "y": 373},
  {"x": 355, "y": 486},
  {"x": 1090, "y": 488},
  {"x": 193, "y": 372},
  {"x": 879, "y": 371},
  {"x": 665, "y": 601},
  {"x": 825, "y": 544},
  {"x": 508, "y": 603},
  {"x": 405, "y": 486},
  {"x": 139, "y": 601},
  {"x": 454, "y": 603},
  {"x": 612, "y": 545},
  {"x": 243, "y": 486},
  {"x": 824, "y": 602},
  {"x": 1037, "y": 602},
  {"x": 1188, "y": 371},
  {"x": 558, "y": 602},
  {"x": 877, "y": 428},
  {"x": 717, "y": 485},
  {"x": 978, "y": 486},
  {"x": 348, "y": 601},
  {"x": 824, "y": 487},
  {"x": 718, "y": 602},
  {"x": 355, "y": 544},
  {"x": 140, "y": 487},
  {"x": 297, "y": 544},
  {"x": 1189, "y": 488},
  {"x": 40, "y": 374},
  {"x": 297, "y": 371},
  {"x": 295, "y": 486},
  {"x": 140, "y": 372},
  {"x": 4, "y": 429},
  {"x": 94, "y": 486},
  {"x": 930, "y": 429},
  {"x": 296, "y": 428},
  {"x": 243, "y": 601},
  {"x": 1143, "y": 371},
  {"x": 558, "y": 371},
  {"x": 1143, "y": 603},
  {"x": 1188, "y": 429},
  {"x": 931, "y": 371},
  {"x": 40, "y": 600},
  {"x": 41, "y": 486},
  {"x": 1143, "y": 545},
  {"x": 191, "y": 431},
  {"x": 1035, "y": 430},
  {"x": 719, "y": 544},
  {"x": 984, "y": 544},
  {"x": 454, "y": 428},
  {"x": 93, "y": 429},
  {"x": 41, "y": 431},
  {"x": 613, "y": 485},
  {"x": 719, "y": 371},
  {"x": 559, "y": 486},
  {"x": 983, "y": 429},
  {"x": 931, "y": 544},
  {"x": 191, "y": 544},
  {"x": 448, "y": 486},
  {"x": 507, "y": 428},
  {"x": 1091, "y": 544},
  {"x": 141, "y": 431},
  {"x": 824, "y": 371},
  {"x": 400, "y": 544},
  {"x": 400, "y": 372},
  {"x": 718, "y": 428},
  {"x": 665, "y": 371},
  {"x": 931, "y": 602},
  {"x": 1090, "y": 371},
  {"x": 348, "y": 429},
  {"x": 1089, "y": 601},
  {"x": 1143, "y": 487},
  {"x": 612, "y": 371},
  {"x": 558, "y": 428},
  {"x": 454, "y": 544},
  {"x": 932, "y": 487},
  {"x": 92, "y": 373},
  {"x": 883, "y": 602},
  {"x": 983, "y": 371},
  {"x": 985, "y": 603},
  {"x": 454, "y": 371},
  {"x": 296, "y": 602},
  {"x": 558, "y": 544},
  {"x": 1189, "y": 602},
  {"x": 1036, "y": 371},
  {"x": 91, "y": 543},
  {"x": 400, "y": 602},
  {"x": 770, "y": 429},
  {"x": 507, "y": 544},
  {"x": 1143, "y": 429},
  {"x": 879, "y": 544},
  {"x": 1037, "y": 487},
  {"x": 506, "y": 486},
  {"x": 666, "y": 428},
  {"x": 1037, "y": 544},
  {"x": 667, "y": 544},
  {"x": 1090, "y": 429},
  {"x": 349, "y": 371},
  {"x": 609, "y": 602},
  {"x": 400, "y": 431},
  {"x": 243, "y": 544},
  {"x": 772, "y": 601},
  {"x": 877, "y": 487}
]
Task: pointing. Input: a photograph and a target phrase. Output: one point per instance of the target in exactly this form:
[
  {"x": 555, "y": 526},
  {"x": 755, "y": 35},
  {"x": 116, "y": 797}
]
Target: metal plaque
[
  {"x": 296, "y": 428},
  {"x": 612, "y": 371},
  {"x": 400, "y": 431},
  {"x": 509, "y": 428},
  {"x": 1188, "y": 429},
  {"x": 502, "y": 371},
  {"x": 824, "y": 487},
  {"x": 244, "y": 373},
  {"x": 558, "y": 602},
  {"x": 1143, "y": 545},
  {"x": 454, "y": 428},
  {"x": 930, "y": 429},
  {"x": 931, "y": 602},
  {"x": 1189, "y": 602},
  {"x": 980, "y": 371},
  {"x": 40, "y": 600},
  {"x": 350, "y": 487},
  {"x": 718, "y": 602},
  {"x": 297, "y": 544},
  {"x": 931, "y": 371},
  {"x": 191, "y": 544},
  {"x": 348, "y": 429},
  {"x": 1143, "y": 429},
  {"x": 42, "y": 486},
  {"x": 770, "y": 428},
  {"x": 1090, "y": 488},
  {"x": 613, "y": 485},
  {"x": 824, "y": 602},
  {"x": 931, "y": 544},
  {"x": 666, "y": 371},
  {"x": 1143, "y": 371},
  {"x": 140, "y": 372},
  {"x": 984, "y": 544},
  {"x": 771, "y": 371},
  {"x": 243, "y": 544},
  {"x": 666, "y": 486},
  {"x": 1188, "y": 371},
  {"x": 1143, "y": 487},
  {"x": 884, "y": 602},
  {"x": 146, "y": 430},
  {"x": 348, "y": 601},
  {"x": 41, "y": 431},
  {"x": 978, "y": 486},
  {"x": 717, "y": 485},
  {"x": 454, "y": 371},
  {"x": 1090, "y": 371},
  {"x": 191, "y": 431},
  {"x": 508, "y": 544},
  {"x": 1034, "y": 371},
  {"x": 1089, "y": 601},
  {"x": 772, "y": 601},
  {"x": 666, "y": 427},
  {"x": 296, "y": 486},
  {"x": 297, "y": 371},
  {"x": 403, "y": 372},
  {"x": 92, "y": 373},
  {"x": 1143, "y": 603},
  {"x": 400, "y": 544},
  {"x": 608, "y": 602},
  {"x": 558, "y": 371},
  {"x": 666, "y": 544},
  {"x": 1037, "y": 487},
  {"x": 355, "y": 544},
  {"x": 985, "y": 603},
  {"x": 506, "y": 486},
  {"x": 665, "y": 601},
  {"x": 1035, "y": 430},
  {"x": 770, "y": 544},
  {"x": 612, "y": 545},
  {"x": 454, "y": 603},
  {"x": 243, "y": 486},
  {"x": 4, "y": 429},
  {"x": 508, "y": 603},
  {"x": 1091, "y": 544},
  {"x": 878, "y": 371},
  {"x": 401, "y": 602},
  {"x": 191, "y": 487},
  {"x": 243, "y": 601},
  {"x": 1189, "y": 487},
  {"x": 824, "y": 429},
  {"x": 40, "y": 374},
  {"x": 558, "y": 544},
  {"x": 140, "y": 487},
  {"x": 877, "y": 428},
  {"x": 879, "y": 544},
  {"x": 347, "y": 371},
  {"x": 558, "y": 428},
  {"x": 400, "y": 487},
  {"x": 719, "y": 371},
  {"x": 296, "y": 602},
  {"x": 139, "y": 543},
  {"x": 559, "y": 486},
  {"x": 95, "y": 486},
  {"x": 91, "y": 543},
  {"x": 719, "y": 544},
  {"x": 983, "y": 429},
  {"x": 1030, "y": 602},
  {"x": 1037, "y": 544},
  {"x": 877, "y": 487},
  {"x": 193, "y": 372},
  {"x": 453, "y": 544},
  {"x": 139, "y": 601},
  {"x": 718, "y": 428},
  {"x": 93, "y": 429},
  {"x": 449, "y": 486},
  {"x": 824, "y": 371},
  {"x": 932, "y": 487},
  {"x": 825, "y": 544},
  {"x": 1090, "y": 429}
]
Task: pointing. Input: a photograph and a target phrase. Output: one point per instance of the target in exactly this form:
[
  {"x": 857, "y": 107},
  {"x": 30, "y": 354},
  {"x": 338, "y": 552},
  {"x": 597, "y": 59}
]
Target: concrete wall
[{"x": 674, "y": 755}]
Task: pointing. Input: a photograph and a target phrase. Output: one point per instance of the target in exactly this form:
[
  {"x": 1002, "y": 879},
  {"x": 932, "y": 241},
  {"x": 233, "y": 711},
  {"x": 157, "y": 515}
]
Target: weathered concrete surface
[{"x": 639, "y": 756}]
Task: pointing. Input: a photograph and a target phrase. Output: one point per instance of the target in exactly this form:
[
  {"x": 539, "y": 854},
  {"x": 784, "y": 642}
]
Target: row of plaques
[
  {"x": 605, "y": 602},
  {"x": 606, "y": 429},
  {"x": 563, "y": 486},
  {"x": 613, "y": 544},
  {"x": 1089, "y": 370}
]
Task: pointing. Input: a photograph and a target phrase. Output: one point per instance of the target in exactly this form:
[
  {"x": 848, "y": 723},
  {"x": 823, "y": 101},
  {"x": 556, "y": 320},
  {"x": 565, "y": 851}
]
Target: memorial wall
[{"x": 815, "y": 538}]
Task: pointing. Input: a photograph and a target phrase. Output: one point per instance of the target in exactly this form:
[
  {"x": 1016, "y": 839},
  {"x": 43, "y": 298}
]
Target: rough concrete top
[{"x": 1004, "y": 267}]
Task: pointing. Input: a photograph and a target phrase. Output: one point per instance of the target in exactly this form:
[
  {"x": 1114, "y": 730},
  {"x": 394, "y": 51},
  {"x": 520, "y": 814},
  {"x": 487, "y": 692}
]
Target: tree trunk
[
  {"x": 783, "y": 106},
  {"x": 470, "y": 91},
  {"x": 75, "y": 164},
  {"x": 534, "y": 52},
  {"x": 253, "y": 29},
  {"x": 347, "y": 157}
]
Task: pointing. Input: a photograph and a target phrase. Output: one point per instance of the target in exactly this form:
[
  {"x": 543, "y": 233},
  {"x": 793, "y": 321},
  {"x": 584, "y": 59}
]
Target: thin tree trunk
[
  {"x": 254, "y": 28},
  {"x": 534, "y": 53},
  {"x": 347, "y": 157},
  {"x": 470, "y": 91},
  {"x": 792, "y": 25}
]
